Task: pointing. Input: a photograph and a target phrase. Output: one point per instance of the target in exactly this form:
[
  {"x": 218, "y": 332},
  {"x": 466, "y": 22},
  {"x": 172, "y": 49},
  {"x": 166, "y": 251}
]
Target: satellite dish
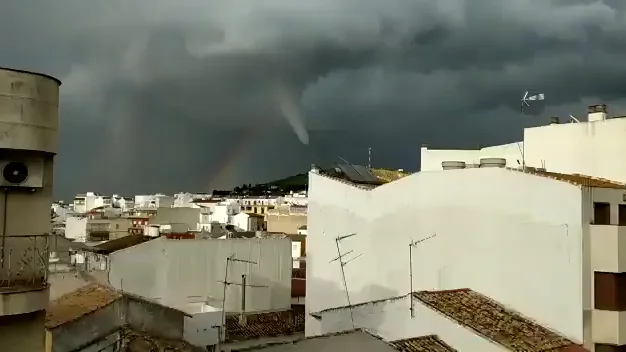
[{"x": 15, "y": 172}]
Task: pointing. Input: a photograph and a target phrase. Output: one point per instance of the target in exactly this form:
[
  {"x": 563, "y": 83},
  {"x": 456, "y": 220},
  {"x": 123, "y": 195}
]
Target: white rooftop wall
[
  {"x": 431, "y": 159},
  {"x": 512, "y": 236},
  {"x": 177, "y": 272},
  {"x": 392, "y": 321}
]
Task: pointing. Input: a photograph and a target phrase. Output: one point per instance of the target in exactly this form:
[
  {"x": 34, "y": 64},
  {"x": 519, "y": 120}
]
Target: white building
[
  {"x": 178, "y": 272},
  {"x": 76, "y": 228},
  {"x": 523, "y": 239},
  {"x": 248, "y": 221},
  {"x": 295, "y": 198},
  {"x": 84, "y": 203},
  {"x": 224, "y": 212},
  {"x": 590, "y": 147}
]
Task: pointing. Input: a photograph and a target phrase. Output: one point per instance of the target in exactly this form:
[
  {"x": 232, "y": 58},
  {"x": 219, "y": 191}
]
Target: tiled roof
[
  {"x": 115, "y": 245},
  {"x": 389, "y": 175},
  {"x": 581, "y": 180},
  {"x": 429, "y": 343},
  {"x": 81, "y": 302},
  {"x": 262, "y": 325},
  {"x": 493, "y": 321}
]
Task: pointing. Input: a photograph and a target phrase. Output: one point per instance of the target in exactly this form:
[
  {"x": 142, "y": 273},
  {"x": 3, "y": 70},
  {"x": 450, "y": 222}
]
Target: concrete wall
[
  {"x": 22, "y": 332},
  {"x": 87, "y": 330},
  {"x": 285, "y": 223},
  {"x": 76, "y": 228},
  {"x": 201, "y": 328},
  {"x": 514, "y": 237},
  {"x": 187, "y": 216},
  {"x": 178, "y": 272},
  {"x": 154, "y": 319},
  {"x": 392, "y": 321}
]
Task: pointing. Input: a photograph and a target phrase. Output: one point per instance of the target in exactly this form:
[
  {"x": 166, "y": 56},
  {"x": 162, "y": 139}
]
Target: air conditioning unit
[{"x": 24, "y": 173}]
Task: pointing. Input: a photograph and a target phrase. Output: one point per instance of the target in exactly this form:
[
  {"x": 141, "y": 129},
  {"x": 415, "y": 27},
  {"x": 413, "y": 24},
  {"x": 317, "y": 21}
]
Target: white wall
[
  {"x": 242, "y": 221},
  {"x": 431, "y": 159},
  {"x": 392, "y": 321},
  {"x": 514, "y": 237},
  {"x": 594, "y": 149},
  {"x": 76, "y": 228},
  {"x": 177, "y": 272},
  {"x": 201, "y": 328}
]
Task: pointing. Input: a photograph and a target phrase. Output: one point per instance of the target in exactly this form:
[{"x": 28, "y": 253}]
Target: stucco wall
[
  {"x": 285, "y": 223},
  {"x": 177, "y": 272},
  {"x": 392, "y": 321},
  {"x": 154, "y": 319},
  {"x": 89, "y": 329},
  {"x": 514, "y": 237}
]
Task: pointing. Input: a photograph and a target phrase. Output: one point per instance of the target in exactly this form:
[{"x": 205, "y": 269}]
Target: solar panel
[
  {"x": 365, "y": 173},
  {"x": 350, "y": 173}
]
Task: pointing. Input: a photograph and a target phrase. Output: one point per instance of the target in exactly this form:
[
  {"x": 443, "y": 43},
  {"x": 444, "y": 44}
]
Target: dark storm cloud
[{"x": 190, "y": 95}]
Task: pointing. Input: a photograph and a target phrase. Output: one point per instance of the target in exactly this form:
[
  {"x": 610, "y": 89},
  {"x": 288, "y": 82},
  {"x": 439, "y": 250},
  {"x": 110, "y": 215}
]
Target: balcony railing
[{"x": 24, "y": 262}]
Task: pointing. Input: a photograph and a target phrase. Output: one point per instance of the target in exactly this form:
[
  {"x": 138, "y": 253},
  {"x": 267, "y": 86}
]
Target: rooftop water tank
[
  {"x": 492, "y": 162},
  {"x": 452, "y": 165}
]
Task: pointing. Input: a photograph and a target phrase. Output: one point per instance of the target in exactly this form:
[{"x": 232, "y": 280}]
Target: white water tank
[
  {"x": 492, "y": 162},
  {"x": 453, "y": 165}
]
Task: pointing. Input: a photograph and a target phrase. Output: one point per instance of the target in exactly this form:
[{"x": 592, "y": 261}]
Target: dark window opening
[
  {"x": 609, "y": 291},
  {"x": 601, "y": 347},
  {"x": 601, "y": 213},
  {"x": 621, "y": 215}
]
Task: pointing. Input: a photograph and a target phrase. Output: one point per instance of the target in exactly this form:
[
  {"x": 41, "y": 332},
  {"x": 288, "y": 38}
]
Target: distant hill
[{"x": 298, "y": 183}]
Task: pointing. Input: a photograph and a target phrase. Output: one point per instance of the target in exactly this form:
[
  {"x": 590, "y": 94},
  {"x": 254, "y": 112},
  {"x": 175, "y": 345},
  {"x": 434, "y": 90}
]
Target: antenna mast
[
  {"x": 342, "y": 263},
  {"x": 524, "y": 103},
  {"x": 369, "y": 158},
  {"x": 412, "y": 245},
  {"x": 231, "y": 259}
]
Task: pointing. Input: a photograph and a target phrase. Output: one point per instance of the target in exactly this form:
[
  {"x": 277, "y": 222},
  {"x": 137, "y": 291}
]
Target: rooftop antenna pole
[
  {"x": 524, "y": 103},
  {"x": 369, "y": 158},
  {"x": 231, "y": 259},
  {"x": 342, "y": 263},
  {"x": 412, "y": 245}
]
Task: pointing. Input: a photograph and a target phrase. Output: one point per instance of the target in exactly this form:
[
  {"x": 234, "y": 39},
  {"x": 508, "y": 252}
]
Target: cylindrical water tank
[
  {"x": 29, "y": 111},
  {"x": 453, "y": 165},
  {"x": 492, "y": 162}
]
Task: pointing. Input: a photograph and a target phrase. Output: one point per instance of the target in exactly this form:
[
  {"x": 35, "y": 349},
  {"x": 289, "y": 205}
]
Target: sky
[{"x": 190, "y": 95}]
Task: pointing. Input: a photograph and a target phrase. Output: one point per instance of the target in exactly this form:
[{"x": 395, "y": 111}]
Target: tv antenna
[
  {"x": 342, "y": 264},
  {"x": 572, "y": 119},
  {"x": 412, "y": 245},
  {"x": 232, "y": 259},
  {"x": 526, "y": 98}
]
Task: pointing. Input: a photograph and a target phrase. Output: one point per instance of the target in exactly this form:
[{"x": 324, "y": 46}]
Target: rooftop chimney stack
[{"x": 597, "y": 113}]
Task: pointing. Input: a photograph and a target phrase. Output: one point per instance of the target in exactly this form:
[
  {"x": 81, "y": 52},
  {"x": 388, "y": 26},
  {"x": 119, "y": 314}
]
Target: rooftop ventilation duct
[
  {"x": 492, "y": 162},
  {"x": 597, "y": 113},
  {"x": 452, "y": 165}
]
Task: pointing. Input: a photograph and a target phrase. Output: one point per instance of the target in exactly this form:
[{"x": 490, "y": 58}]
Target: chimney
[
  {"x": 554, "y": 120},
  {"x": 597, "y": 113}
]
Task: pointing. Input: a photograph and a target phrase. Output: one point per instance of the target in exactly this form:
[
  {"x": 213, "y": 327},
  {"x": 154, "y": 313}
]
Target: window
[
  {"x": 600, "y": 347},
  {"x": 609, "y": 291},
  {"x": 621, "y": 215},
  {"x": 601, "y": 213}
]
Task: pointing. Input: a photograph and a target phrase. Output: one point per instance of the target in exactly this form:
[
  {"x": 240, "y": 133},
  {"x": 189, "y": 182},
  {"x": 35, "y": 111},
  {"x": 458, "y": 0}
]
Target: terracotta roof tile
[
  {"x": 581, "y": 180},
  {"x": 494, "y": 322},
  {"x": 429, "y": 343},
  {"x": 261, "y": 325},
  {"x": 76, "y": 304}
]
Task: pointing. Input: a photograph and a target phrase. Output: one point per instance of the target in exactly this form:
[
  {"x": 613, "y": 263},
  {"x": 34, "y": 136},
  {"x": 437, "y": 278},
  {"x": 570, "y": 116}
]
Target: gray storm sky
[{"x": 193, "y": 95}]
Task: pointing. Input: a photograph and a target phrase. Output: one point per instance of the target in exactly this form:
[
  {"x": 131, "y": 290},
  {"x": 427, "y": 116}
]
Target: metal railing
[{"x": 24, "y": 262}]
